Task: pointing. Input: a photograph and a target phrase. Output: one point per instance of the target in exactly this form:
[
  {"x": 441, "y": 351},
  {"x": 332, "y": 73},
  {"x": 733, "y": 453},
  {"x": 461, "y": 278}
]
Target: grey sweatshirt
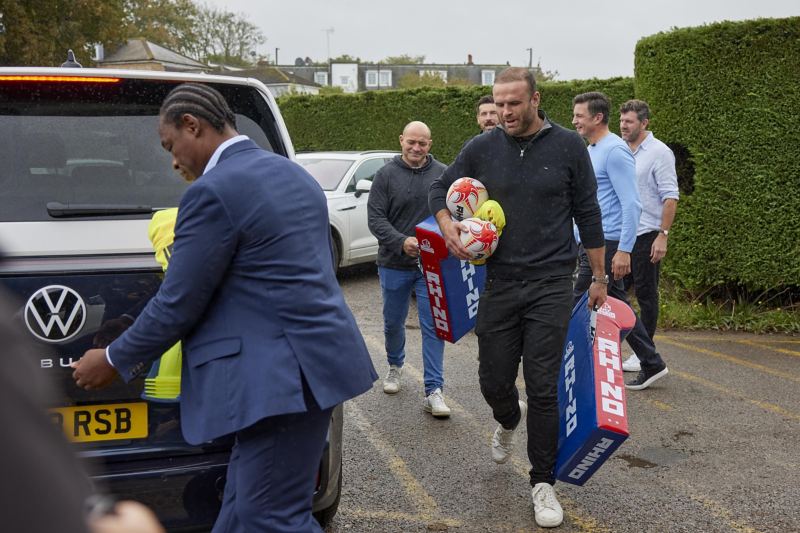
[{"x": 398, "y": 201}]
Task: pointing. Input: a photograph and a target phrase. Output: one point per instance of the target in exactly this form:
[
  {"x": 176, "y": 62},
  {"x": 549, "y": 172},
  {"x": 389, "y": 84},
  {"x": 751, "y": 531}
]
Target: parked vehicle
[
  {"x": 346, "y": 178},
  {"x": 81, "y": 173}
]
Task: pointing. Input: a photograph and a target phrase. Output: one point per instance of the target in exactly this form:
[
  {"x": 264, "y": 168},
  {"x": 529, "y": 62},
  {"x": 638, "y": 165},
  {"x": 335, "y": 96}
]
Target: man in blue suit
[{"x": 269, "y": 345}]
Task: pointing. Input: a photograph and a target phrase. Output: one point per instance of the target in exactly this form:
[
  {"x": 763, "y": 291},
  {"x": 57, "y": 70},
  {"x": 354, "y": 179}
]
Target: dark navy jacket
[{"x": 252, "y": 292}]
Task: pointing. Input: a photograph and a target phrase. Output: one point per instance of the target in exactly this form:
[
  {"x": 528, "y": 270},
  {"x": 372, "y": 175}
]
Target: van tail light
[{"x": 59, "y": 79}]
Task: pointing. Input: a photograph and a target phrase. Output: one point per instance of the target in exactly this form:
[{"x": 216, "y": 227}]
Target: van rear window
[{"x": 97, "y": 144}]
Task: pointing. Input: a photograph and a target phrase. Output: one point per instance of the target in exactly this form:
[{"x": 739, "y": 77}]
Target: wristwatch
[
  {"x": 664, "y": 232},
  {"x": 603, "y": 280}
]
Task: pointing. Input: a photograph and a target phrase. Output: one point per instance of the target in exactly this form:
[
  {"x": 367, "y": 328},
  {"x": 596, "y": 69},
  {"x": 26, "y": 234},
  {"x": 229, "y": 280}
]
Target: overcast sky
[{"x": 578, "y": 38}]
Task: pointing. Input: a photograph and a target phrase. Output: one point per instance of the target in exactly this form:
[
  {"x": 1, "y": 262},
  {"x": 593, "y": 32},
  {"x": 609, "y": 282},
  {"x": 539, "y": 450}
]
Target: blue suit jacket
[{"x": 252, "y": 292}]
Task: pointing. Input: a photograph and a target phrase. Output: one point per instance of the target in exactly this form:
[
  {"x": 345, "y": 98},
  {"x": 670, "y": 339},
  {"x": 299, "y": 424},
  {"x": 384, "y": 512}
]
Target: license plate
[{"x": 91, "y": 423}]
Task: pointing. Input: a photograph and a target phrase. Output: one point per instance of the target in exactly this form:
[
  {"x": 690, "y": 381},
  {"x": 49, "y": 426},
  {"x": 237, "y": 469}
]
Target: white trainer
[
  {"x": 391, "y": 383},
  {"x": 434, "y": 404},
  {"x": 631, "y": 364},
  {"x": 503, "y": 439},
  {"x": 546, "y": 509}
]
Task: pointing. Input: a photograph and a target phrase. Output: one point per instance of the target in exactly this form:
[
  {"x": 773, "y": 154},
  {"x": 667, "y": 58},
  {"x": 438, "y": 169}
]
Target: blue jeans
[{"x": 396, "y": 286}]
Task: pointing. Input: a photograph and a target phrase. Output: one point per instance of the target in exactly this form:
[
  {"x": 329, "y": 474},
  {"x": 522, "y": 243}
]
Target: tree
[
  {"x": 345, "y": 58},
  {"x": 169, "y": 23},
  {"x": 40, "y": 33},
  {"x": 412, "y": 80},
  {"x": 227, "y": 37},
  {"x": 404, "y": 59}
]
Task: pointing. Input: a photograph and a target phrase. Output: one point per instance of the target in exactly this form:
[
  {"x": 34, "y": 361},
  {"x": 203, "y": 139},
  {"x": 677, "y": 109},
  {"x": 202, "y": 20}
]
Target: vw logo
[{"x": 55, "y": 313}]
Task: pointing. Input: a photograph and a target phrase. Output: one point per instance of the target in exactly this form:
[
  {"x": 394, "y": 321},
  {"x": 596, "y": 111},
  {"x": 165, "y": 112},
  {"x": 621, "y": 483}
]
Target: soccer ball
[
  {"x": 480, "y": 239},
  {"x": 465, "y": 196}
]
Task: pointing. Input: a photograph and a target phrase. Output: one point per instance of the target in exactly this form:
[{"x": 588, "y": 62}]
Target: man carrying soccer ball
[
  {"x": 397, "y": 203},
  {"x": 542, "y": 176}
]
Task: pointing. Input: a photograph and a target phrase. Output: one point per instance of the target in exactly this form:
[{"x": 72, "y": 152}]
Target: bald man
[{"x": 397, "y": 203}]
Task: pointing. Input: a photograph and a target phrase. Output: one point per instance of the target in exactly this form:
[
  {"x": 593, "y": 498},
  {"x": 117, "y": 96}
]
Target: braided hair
[{"x": 201, "y": 101}]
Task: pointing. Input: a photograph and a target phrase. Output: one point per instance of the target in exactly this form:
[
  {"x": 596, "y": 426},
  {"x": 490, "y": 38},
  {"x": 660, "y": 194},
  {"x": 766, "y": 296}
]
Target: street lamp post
[{"x": 530, "y": 57}]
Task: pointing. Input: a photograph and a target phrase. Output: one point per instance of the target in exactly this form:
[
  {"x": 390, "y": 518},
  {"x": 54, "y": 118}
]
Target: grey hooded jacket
[{"x": 398, "y": 201}]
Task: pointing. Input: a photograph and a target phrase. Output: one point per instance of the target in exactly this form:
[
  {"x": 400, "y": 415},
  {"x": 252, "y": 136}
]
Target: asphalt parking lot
[{"x": 713, "y": 447}]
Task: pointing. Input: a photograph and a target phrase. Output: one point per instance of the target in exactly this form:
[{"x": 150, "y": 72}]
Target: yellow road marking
[
  {"x": 722, "y": 513},
  {"x": 589, "y": 524},
  {"x": 660, "y": 405},
  {"x": 397, "y": 517},
  {"x": 711, "y": 338},
  {"x": 711, "y": 385},
  {"x": 584, "y": 523},
  {"x": 425, "y": 504},
  {"x": 794, "y": 353},
  {"x": 732, "y": 359}
]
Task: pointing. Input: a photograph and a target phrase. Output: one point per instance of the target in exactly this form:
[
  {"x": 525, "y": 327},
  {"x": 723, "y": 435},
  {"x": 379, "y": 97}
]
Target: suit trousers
[
  {"x": 272, "y": 473},
  {"x": 638, "y": 337},
  {"x": 525, "y": 320},
  {"x": 644, "y": 278}
]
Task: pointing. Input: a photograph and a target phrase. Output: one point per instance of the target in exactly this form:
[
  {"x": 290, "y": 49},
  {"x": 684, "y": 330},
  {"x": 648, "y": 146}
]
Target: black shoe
[{"x": 646, "y": 377}]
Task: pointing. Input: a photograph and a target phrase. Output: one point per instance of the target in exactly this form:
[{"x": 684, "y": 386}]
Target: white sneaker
[
  {"x": 503, "y": 439},
  {"x": 546, "y": 509},
  {"x": 631, "y": 364},
  {"x": 434, "y": 404},
  {"x": 391, "y": 383}
]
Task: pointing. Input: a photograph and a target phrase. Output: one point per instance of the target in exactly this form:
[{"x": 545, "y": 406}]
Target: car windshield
[
  {"x": 95, "y": 145},
  {"x": 327, "y": 172}
]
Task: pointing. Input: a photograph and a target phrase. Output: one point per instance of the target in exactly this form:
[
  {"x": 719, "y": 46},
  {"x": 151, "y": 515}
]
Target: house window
[
  {"x": 441, "y": 74},
  {"x": 487, "y": 77},
  {"x": 379, "y": 78},
  {"x": 321, "y": 78}
]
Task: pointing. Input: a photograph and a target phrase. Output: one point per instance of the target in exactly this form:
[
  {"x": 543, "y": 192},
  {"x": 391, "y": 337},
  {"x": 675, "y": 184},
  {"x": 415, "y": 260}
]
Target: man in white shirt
[{"x": 658, "y": 192}]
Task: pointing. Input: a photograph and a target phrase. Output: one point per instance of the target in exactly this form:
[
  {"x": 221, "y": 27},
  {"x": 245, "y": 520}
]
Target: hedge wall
[
  {"x": 374, "y": 120},
  {"x": 729, "y": 94}
]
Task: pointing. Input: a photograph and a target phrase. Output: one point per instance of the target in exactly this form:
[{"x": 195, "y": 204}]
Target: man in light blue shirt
[
  {"x": 618, "y": 195},
  {"x": 658, "y": 190}
]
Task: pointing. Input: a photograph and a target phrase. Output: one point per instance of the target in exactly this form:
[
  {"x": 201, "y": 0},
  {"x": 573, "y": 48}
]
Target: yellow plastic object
[
  {"x": 161, "y": 232},
  {"x": 492, "y": 211},
  {"x": 164, "y": 380},
  {"x": 163, "y": 383}
]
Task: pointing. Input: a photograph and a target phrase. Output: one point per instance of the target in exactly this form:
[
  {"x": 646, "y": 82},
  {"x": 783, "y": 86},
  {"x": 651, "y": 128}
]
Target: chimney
[
  {"x": 99, "y": 52},
  {"x": 469, "y": 59}
]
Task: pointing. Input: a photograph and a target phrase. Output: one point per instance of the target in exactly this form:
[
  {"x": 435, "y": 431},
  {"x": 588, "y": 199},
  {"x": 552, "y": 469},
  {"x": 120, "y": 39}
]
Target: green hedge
[
  {"x": 374, "y": 120},
  {"x": 729, "y": 94}
]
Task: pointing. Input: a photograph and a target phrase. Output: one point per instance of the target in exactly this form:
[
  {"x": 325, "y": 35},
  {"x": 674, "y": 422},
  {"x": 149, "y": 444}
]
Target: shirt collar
[
  {"x": 221, "y": 148},
  {"x": 647, "y": 140}
]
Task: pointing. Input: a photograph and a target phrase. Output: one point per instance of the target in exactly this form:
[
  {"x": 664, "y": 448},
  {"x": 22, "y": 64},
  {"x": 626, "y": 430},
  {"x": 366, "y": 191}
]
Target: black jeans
[
  {"x": 644, "y": 278},
  {"x": 525, "y": 320},
  {"x": 638, "y": 338}
]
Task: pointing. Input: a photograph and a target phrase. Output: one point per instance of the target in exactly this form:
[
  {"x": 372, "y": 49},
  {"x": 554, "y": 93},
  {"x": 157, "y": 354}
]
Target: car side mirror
[{"x": 363, "y": 186}]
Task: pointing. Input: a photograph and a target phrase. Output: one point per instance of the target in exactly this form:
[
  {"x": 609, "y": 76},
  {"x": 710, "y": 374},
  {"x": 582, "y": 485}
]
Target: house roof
[
  {"x": 273, "y": 76},
  {"x": 140, "y": 50}
]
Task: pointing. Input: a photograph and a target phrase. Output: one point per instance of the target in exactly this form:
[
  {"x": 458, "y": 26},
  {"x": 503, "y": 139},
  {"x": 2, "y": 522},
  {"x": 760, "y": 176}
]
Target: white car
[{"x": 346, "y": 178}]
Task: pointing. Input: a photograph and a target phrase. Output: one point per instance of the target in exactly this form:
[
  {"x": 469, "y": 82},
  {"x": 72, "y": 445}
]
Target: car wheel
[
  {"x": 326, "y": 515},
  {"x": 336, "y": 253}
]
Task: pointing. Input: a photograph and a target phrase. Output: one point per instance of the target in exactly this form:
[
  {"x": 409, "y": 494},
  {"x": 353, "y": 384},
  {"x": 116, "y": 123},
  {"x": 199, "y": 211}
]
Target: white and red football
[
  {"x": 480, "y": 239},
  {"x": 465, "y": 196}
]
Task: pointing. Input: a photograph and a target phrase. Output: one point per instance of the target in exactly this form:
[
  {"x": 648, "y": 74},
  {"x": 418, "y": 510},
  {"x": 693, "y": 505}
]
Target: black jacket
[
  {"x": 398, "y": 201},
  {"x": 542, "y": 185}
]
